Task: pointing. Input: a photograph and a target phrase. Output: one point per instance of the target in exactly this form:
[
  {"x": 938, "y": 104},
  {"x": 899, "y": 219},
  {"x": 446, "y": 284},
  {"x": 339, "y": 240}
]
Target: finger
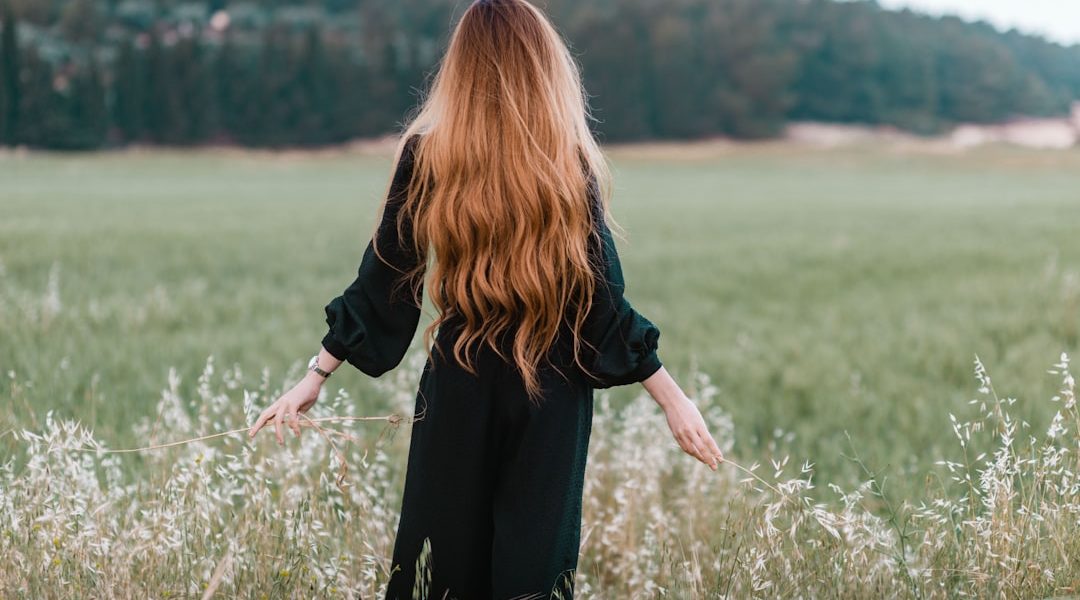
[
  {"x": 277, "y": 429},
  {"x": 706, "y": 449},
  {"x": 294, "y": 424},
  {"x": 683, "y": 441},
  {"x": 301, "y": 417},
  {"x": 686, "y": 441},
  {"x": 697, "y": 450},
  {"x": 260, "y": 422},
  {"x": 714, "y": 447}
]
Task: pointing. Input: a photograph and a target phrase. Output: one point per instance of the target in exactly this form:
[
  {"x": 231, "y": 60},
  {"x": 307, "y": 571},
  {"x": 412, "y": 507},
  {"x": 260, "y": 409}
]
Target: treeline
[{"x": 90, "y": 73}]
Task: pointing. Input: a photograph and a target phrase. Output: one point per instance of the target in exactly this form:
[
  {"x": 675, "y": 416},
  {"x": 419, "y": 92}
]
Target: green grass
[{"x": 823, "y": 291}]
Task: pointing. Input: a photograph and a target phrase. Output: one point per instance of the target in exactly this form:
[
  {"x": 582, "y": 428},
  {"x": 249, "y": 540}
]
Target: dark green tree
[
  {"x": 617, "y": 65},
  {"x": 193, "y": 107},
  {"x": 235, "y": 82},
  {"x": 43, "y": 115},
  {"x": 90, "y": 109},
  {"x": 10, "y": 97},
  {"x": 751, "y": 87},
  {"x": 314, "y": 86},
  {"x": 170, "y": 71},
  {"x": 80, "y": 21},
  {"x": 322, "y": 71},
  {"x": 129, "y": 93}
]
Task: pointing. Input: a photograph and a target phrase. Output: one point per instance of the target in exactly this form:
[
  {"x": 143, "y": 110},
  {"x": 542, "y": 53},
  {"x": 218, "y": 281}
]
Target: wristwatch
[{"x": 313, "y": 365}]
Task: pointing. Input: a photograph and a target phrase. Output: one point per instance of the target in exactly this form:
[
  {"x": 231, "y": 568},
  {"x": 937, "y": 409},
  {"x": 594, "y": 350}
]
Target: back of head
[{"x": 499, "y": 194}]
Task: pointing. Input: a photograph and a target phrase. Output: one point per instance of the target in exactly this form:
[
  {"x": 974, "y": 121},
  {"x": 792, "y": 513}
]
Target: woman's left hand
[
  {"x": 692, "y": 434},
  {"x": 286, "y": 409}
]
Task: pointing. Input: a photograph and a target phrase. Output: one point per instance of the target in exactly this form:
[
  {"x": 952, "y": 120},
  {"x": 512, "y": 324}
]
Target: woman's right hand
[{"x": 286, "y": 409}]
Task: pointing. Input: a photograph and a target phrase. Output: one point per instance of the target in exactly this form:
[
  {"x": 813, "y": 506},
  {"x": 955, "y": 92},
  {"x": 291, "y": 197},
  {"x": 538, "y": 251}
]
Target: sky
[{"x": 1058, "y": 20}]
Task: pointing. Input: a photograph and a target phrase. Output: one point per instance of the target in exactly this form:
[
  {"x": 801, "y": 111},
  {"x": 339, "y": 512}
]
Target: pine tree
[
  {"x": 129, "y": 89},
  {"x": 314, "y": 102},
  {"x": 192, "y": 100},
  {"x": 10, "y": 96},
  {"x": 41, "y": 116},
  {"x": 89, "y": 118}
]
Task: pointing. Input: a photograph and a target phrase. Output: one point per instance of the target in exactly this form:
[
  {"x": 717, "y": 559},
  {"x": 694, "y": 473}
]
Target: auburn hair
[{"x": 500, "y": 200}]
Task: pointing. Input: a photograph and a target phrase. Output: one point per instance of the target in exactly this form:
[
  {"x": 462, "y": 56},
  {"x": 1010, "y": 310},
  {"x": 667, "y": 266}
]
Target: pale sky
[{"x": 1058, "y": 20}]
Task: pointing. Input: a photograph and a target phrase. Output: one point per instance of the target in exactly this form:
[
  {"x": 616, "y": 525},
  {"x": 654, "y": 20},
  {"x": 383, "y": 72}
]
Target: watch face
[{"x": 313, "y": 362}]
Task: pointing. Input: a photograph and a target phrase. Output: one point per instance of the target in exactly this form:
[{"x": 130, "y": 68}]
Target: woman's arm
[
  {"x": 620, "y": 343},
  {"x": 371, "y": 324},
  {"x": 684, "y": 419},
  {"x": 623, "y": 348}
]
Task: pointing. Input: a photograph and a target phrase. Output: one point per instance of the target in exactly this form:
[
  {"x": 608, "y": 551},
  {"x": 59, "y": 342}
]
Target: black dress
[{"x": 494, "y": 482}]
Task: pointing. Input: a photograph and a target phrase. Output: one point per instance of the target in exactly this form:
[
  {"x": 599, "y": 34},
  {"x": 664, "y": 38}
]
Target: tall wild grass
[{"x": 229, "y": 518}]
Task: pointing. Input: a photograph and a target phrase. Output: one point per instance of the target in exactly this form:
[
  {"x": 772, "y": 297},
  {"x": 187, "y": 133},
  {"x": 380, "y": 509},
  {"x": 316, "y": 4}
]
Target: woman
[{"x": 497, "y": 207}]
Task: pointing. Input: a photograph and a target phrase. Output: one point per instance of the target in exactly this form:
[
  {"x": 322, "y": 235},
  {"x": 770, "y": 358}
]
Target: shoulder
[
  {"x": 409, "y": 146},
  {"x": 406, "y": 155}
]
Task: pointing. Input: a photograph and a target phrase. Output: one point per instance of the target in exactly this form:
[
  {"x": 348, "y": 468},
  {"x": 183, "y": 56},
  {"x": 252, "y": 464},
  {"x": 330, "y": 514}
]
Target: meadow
[{"x": 825, "y": 306}]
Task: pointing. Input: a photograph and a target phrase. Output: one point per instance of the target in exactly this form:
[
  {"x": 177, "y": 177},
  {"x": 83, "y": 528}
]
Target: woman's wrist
[
  {"x": 322, "y": 366},
  {"x": 664, "y": 389}
]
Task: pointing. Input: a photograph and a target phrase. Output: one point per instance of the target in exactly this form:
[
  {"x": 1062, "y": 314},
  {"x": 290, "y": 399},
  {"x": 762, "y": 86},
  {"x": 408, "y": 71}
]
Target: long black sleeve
[
  {"x": 372, "y": 323},
  {"x": 624, "y": 342}
]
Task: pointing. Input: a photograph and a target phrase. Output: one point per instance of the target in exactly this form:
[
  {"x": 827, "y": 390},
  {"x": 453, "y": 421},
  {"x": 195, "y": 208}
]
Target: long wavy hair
[{"x": 504, "y": 175}]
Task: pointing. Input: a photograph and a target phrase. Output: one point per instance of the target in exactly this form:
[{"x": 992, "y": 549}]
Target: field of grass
[{"x": 820, "y": 303}]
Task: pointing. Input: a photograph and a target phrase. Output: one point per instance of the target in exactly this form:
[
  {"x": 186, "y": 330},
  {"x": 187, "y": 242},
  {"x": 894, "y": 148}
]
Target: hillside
[{"x": 89, "y": 73}]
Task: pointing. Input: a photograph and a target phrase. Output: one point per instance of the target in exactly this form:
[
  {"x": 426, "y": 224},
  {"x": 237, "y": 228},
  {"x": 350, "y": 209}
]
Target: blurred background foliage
[{"x": 77, "y": 74}]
